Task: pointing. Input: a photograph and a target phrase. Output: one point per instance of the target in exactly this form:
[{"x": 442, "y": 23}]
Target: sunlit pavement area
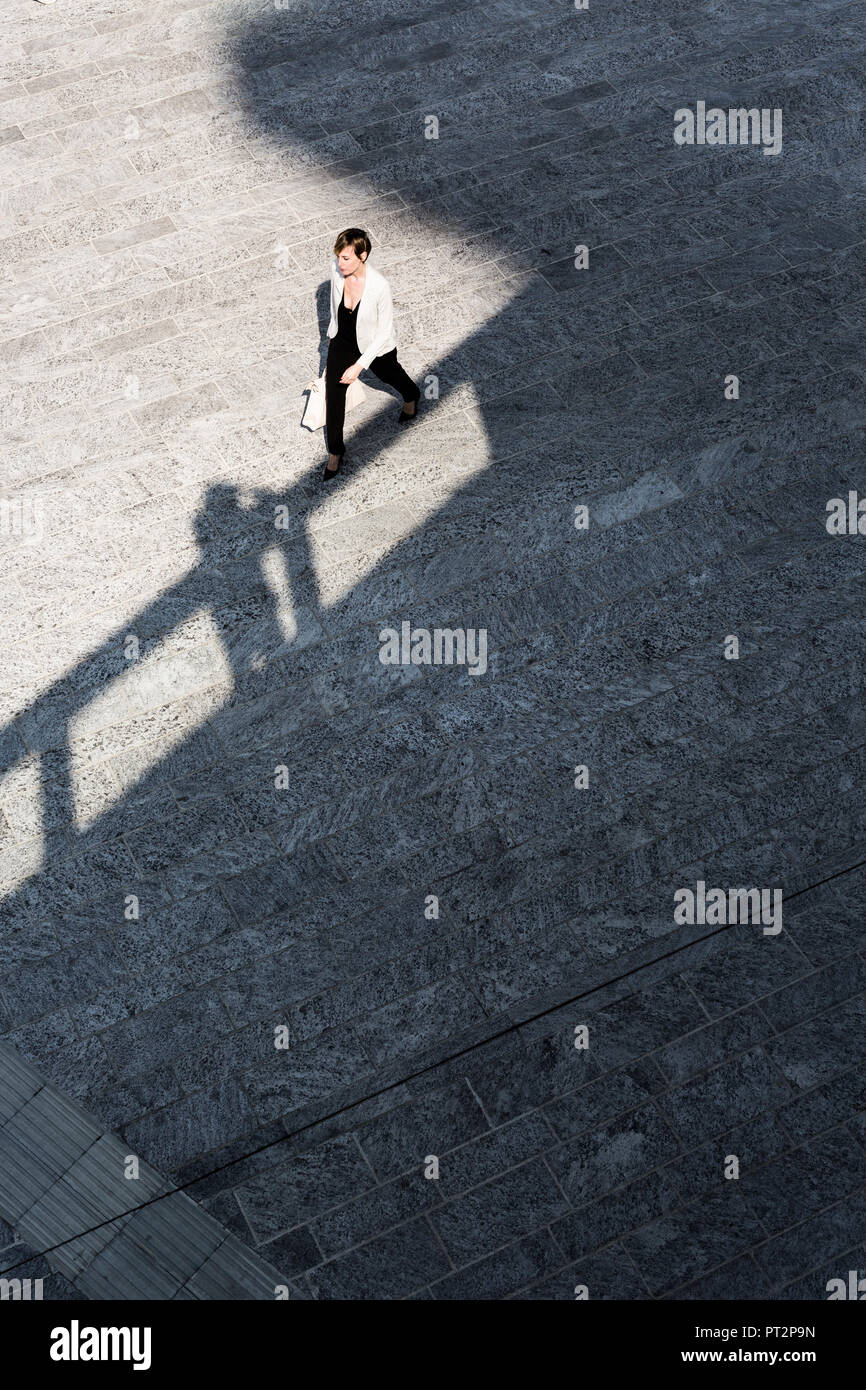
[{"x": 300, "y": 929}]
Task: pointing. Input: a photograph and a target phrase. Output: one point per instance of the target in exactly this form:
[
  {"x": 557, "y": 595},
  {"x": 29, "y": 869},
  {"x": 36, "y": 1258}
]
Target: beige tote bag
[{"x": 314, "y": 414}]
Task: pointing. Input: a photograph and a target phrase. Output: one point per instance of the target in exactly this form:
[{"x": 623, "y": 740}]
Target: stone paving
[{"x": 187, "y": 612}]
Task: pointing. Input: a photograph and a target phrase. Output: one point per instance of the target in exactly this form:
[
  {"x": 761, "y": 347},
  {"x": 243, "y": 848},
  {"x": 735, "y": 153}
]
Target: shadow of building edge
[{"x": 62, "y": 839}]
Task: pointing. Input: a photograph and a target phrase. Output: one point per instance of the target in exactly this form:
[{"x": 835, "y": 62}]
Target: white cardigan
[{"x": 374, "y": 324}]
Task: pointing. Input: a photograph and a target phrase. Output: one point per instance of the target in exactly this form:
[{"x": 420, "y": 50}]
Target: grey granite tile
[
  {"x": 703, "y": 1049},
  {"x": 754, "y": 1142},
  {"x": 390, "y": 1266},
  {"x": 800, "y": 1001},
  {"x": 521, "y": 1201},
  {"x": 285, "y": 1081},
  {"x": 816, "y": 1051},
  {"x": 804, "y": 1181},
  {"x": 730, "y": 1093},
  {"x": 616, "y": 1153},
  {"x": 62, "y": 979},
  {"x": 489, "y": 1154},
  {"x": 498, "y": 1275},
  {"x": 690, "y": 1242},
  {"x": 827, "y": 929},
  {"x": 610, "y": 1275},
  {"x": 434, "y": 1122},
  {"x": 747, "y": 966},
  {"x": 292, "y": 1254},
  {"x": 643, "y": 1021},
  {"x": 813, "y": 1242},
  {"x": 390, "y": 1204},
  {"x": 738, "y": 1279},
  {"x": 164, "y": 1032},
  {"x": 289, "y": 1195},
  {"x": 409, "y": 1024},
  {"x": 192, "y": 1125},
  {"x": 598, "y": 1102},
  {"x": 612, "y": 1214}
]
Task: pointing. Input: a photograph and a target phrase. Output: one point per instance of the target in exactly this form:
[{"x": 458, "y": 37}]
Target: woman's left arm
[
  {"x": 384, "y": 327},
  {"x": 384, "y": 330}
]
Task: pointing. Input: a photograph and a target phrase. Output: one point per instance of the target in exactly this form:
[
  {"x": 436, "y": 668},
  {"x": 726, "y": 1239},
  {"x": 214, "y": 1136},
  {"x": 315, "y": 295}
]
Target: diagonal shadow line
[{"x": 181, "y": 601}]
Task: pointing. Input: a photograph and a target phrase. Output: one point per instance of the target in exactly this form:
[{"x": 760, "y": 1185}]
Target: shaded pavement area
[{"x": 223, "y": 818}]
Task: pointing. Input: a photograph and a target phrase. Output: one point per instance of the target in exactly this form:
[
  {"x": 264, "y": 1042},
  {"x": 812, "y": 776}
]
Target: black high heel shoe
[
  {"x": 330, "y": 473},
  {"x": 403, "y": 418}
]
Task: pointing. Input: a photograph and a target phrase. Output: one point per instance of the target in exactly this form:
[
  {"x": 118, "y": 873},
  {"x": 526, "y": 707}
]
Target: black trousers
[{"x": 342, "y": 355}]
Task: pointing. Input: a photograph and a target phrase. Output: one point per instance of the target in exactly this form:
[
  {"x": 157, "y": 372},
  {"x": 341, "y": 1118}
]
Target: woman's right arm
[{"x": 334, "y": 302}]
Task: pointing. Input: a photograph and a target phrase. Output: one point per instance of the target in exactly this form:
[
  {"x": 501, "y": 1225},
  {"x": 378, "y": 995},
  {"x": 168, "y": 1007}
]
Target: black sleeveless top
[{"x": 346, "y": 319}]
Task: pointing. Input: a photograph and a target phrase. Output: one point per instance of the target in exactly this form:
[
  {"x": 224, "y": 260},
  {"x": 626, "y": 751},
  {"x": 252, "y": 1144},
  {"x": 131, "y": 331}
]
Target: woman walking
[{"x": 361, "y": 334}]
